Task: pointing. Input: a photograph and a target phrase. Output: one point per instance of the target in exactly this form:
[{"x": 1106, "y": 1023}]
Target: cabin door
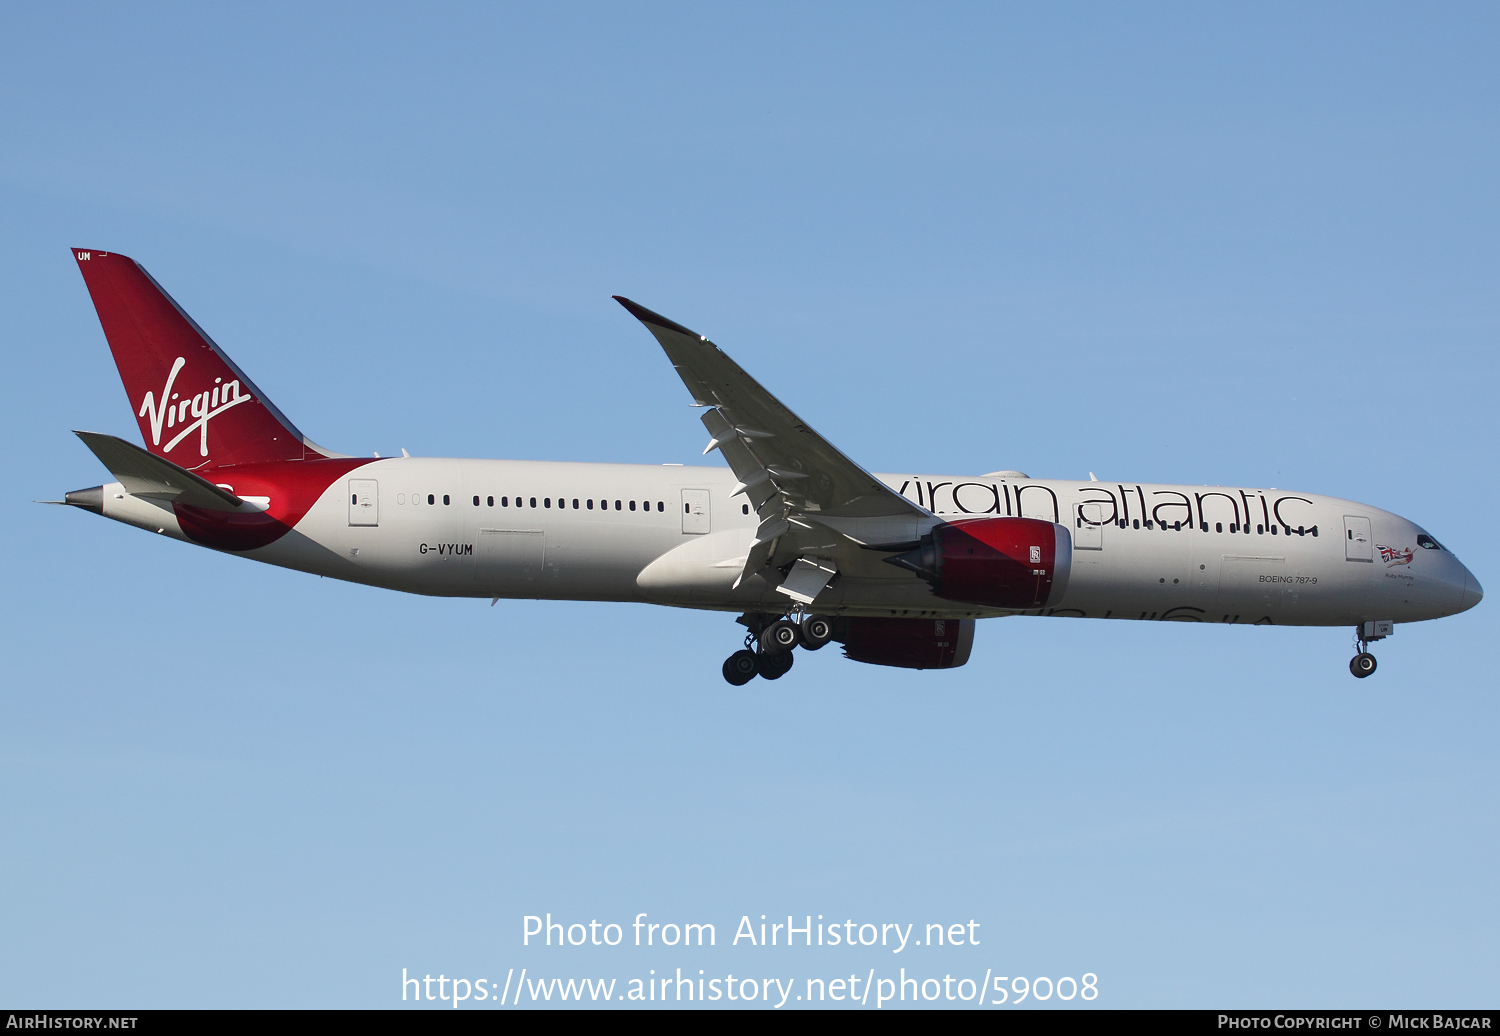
[
  {"x": 364, "y": 506},
  {"x": 1088, "y": 527},
  {"x": 1357, "y": 539}
]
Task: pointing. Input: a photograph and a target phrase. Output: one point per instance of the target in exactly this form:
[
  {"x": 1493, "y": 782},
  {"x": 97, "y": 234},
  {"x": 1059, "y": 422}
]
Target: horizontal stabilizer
[{"x": 156, "y": 478}]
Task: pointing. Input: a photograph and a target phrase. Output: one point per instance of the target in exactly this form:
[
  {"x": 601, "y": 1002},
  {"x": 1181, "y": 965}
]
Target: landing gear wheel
[
  {"x": 740, "y": 668},
  {"x": 780, "y": 637},
  {"x": 1362, "y": 664},
  {"x": 774, "y": 665},
  {"x": 817, "y": 630}
]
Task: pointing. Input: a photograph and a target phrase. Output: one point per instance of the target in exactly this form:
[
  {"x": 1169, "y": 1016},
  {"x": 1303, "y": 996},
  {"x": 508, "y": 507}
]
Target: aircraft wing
[{"x": 801, "y": 486}]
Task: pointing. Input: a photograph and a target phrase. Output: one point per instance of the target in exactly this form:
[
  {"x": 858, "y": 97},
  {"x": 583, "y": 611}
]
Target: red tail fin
[{"x": 193, "y": 404}]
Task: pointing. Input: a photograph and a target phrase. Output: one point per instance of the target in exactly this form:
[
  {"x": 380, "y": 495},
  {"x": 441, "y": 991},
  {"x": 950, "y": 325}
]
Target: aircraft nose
[{"x": 1473, "y": 592}]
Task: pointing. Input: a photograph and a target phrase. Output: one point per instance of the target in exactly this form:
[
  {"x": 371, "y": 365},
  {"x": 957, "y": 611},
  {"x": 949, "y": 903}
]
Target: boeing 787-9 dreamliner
[{"x": 800, "y": 541}]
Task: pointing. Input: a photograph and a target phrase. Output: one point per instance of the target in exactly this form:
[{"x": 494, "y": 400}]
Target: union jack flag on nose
[{"x": 1393, "y": 557}]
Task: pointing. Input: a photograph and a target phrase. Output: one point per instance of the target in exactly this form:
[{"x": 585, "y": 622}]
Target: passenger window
[
  {"x": 430, "y": 499},
  {"x": 445, "y": 500},
  {"x": 547, "y": 501},
  {"x": 660, "y": 506},
  {"x": 1260, "y": 530},
  {"x": 533, "y": 501},
  {"x": 354, "y": 499},
  {"x": 476, "y": 501},
  {"x": 1426, "y": 542},
  {"x": 617, "y": 505},
  {"x": 1218, "y": 526},
  {"x": 505, "y": 502},
  {"x": 1136, "y": 523},
  {"x": 632, "y": 505},
  {"x": 490, "y": 500},
  {"x": 590, "y": 504},
  {"x": 575, "y": 505},
  {"x": 744, "y": 508},
  {"x": 1273, "y": 530}
]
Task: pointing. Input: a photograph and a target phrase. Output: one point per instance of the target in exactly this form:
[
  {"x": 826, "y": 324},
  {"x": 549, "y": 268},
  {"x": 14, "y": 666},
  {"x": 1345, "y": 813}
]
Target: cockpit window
[{"x": 1426, "y": 542}]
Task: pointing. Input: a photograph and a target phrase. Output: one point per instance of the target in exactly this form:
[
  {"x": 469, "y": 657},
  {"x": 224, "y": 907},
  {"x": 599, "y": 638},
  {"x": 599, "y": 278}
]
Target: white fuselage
[{"x": 673, "y": 535}]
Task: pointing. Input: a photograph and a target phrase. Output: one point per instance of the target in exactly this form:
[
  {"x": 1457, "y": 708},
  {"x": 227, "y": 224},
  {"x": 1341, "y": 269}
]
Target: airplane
[{"x": 805, "y": 544}]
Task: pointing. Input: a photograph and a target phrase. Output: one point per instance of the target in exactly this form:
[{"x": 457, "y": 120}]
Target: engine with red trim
[
  {"x": 907, "y": 643},
  {"x": 1016, "y": 563}
]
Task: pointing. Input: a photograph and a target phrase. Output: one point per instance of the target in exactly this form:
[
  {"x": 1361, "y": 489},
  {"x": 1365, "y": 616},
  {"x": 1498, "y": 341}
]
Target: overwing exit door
[
  {"x": 364, "y": 508},
  {"x": 695, "y": 516},
  {"x": 1088, "y": 533}
]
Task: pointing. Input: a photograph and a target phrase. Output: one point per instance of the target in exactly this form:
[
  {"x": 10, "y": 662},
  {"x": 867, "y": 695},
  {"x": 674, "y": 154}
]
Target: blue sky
[{"x": 1244, "y": 244}]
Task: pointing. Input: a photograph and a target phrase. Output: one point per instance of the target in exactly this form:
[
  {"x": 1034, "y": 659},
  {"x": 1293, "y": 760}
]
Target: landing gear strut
[
  {"x": 769, "y": 646},
  {"x": 1363, "y": 663}
]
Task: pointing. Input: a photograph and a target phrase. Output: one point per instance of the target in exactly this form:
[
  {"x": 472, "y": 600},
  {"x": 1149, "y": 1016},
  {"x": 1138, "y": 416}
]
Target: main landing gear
[
  {"x": 774, "y": 640},
  {"x": 1363, "y": 663}
]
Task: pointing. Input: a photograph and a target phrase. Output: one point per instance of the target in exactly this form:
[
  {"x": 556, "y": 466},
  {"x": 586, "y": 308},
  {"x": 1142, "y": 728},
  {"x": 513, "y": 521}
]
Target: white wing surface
[{"x": 813, "y": 501}]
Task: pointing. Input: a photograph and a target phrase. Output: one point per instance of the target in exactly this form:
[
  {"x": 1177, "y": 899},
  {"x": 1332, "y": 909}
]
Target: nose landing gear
[{"x": 1363, "y": 663}]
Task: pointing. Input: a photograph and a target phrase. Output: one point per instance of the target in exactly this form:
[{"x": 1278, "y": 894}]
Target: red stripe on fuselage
[{"x": 292, "y": 486}]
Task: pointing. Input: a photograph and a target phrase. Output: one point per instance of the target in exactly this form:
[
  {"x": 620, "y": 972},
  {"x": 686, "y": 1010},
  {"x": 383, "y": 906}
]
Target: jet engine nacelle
[
  {"x": 1016, "y": 563},
  {"x": 907, "y": 643}
]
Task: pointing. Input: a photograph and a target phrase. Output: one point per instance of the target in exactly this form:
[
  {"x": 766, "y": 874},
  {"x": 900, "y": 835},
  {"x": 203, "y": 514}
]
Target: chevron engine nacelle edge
[{"x": 1018, "y": 563}]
